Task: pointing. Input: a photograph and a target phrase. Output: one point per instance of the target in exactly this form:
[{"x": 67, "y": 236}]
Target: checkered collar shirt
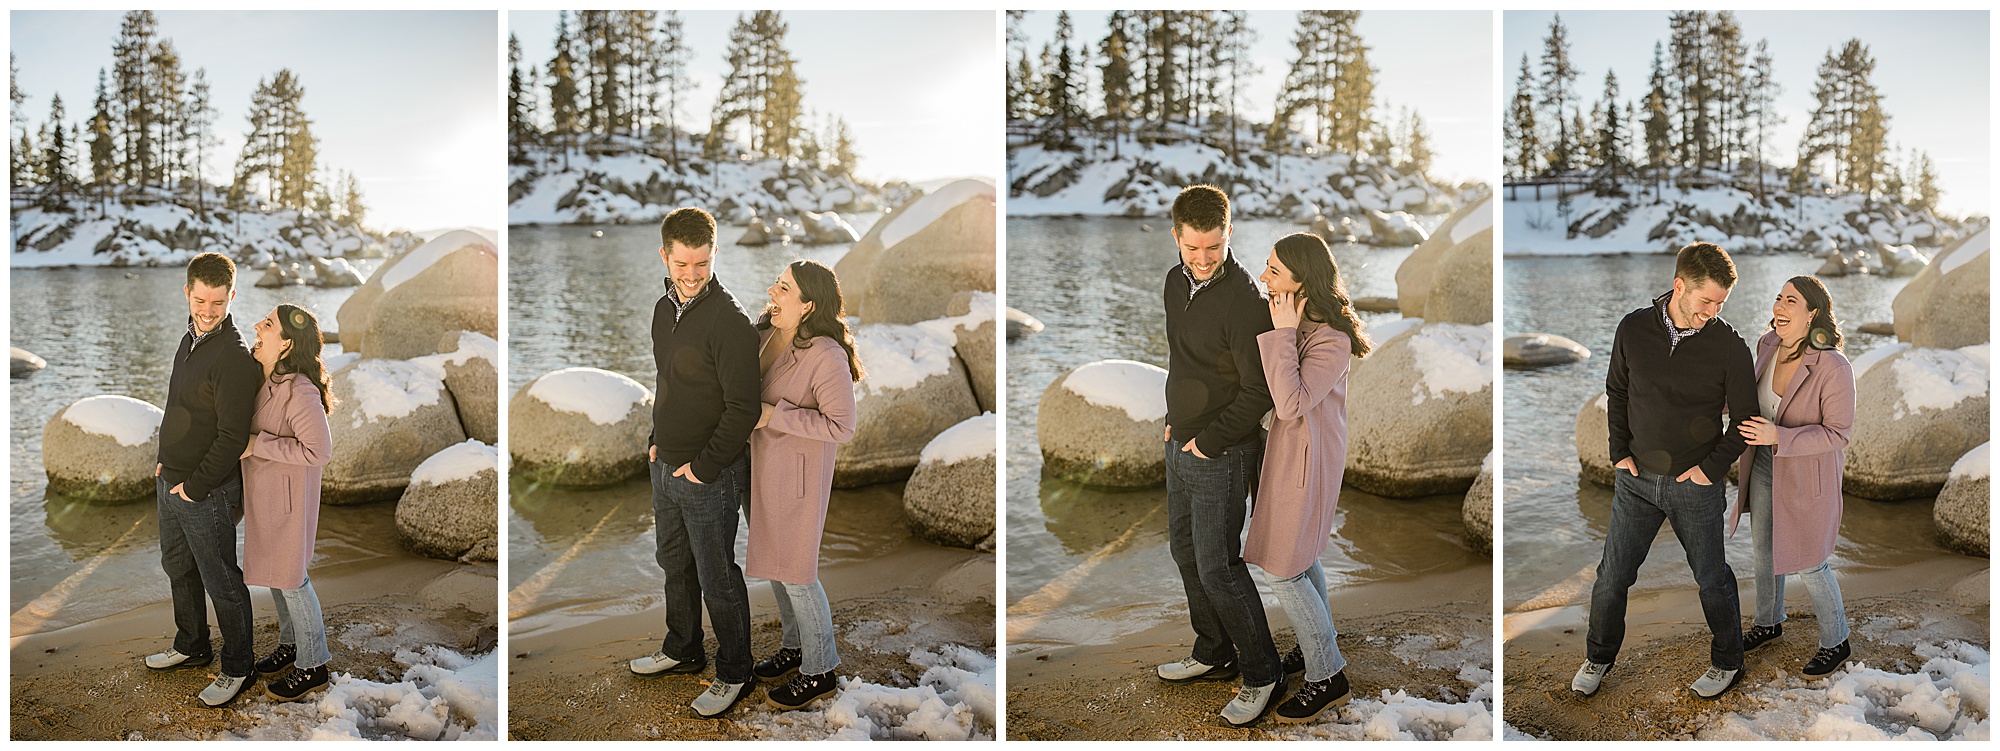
[
  {"x": 680, "y": 306},
  {"x": 1674, "y": 333},
  {"x": 195, "y": 336},
  {"x": 1195, "y": 285}
]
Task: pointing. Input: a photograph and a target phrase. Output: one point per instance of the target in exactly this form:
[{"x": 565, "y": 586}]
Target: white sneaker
[
  {"x": 1249, "y": 704},
  {"x": 1191, "y": 669},
  {"x": 224, "y": 690},
  {"x": 1589, "y": 677},
  {"x": 718, "y": 698},
  {"x": 172, "y": 658},
  {"x": 660, "y": 664},
  {"x": 1712, "y": 683}
]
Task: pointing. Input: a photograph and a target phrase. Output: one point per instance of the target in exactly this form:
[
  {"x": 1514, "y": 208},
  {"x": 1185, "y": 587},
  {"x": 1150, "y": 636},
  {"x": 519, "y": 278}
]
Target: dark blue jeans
[
  {"x": 1205, "y": 513},
  {"x": 198, "y": 552},
  {"x": 694, "y": 526},
  {"x": 1638, "y": 506}
]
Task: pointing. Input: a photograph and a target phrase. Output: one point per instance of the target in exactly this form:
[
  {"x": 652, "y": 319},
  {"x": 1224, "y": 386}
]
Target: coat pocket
[
  {"x": 291, "y": 493},
  {"x": 1305, "y": 464},
  {"x": 801, "y": 473}
]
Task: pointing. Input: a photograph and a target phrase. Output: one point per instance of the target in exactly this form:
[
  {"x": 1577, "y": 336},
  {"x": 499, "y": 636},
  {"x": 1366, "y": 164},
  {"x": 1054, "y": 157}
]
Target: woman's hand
[
  {"x": 1759, "y": 431},
  {"x": 248, "y": 448},
  {"x": 1285, "y": 309},
  {"x": 764, "y": 418}
]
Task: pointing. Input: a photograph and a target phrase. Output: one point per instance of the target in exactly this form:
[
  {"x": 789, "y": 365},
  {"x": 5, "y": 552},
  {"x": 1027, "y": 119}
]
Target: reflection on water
[
  {"x": 1088, "y": 566},
  {"x": 113, "y": 331},
  {"x": 1555, "y": 520}
]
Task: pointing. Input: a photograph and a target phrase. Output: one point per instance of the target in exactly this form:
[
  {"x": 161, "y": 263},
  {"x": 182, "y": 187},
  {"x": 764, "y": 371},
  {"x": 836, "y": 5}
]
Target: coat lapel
[{"x": 1806, "y": 363}]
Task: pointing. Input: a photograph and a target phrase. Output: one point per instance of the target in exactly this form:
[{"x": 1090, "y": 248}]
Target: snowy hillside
[
  {"x": 635, "y": 186},
  {"x": 168, "y": 234}
]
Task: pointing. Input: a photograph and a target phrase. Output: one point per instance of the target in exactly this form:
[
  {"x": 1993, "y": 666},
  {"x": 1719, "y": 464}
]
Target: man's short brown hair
[
  {"x": 213, "y": 269},
  {"x": 1202, "y": 207},
  {"x": 1699, "y": 262},
  {"x": 688, "y": 226}
]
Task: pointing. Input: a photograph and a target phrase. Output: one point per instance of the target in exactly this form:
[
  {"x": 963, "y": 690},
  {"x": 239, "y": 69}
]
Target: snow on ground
[
  {"x": 1466, "y": 715},
  {"x": 1814, "y": 223},
  {"x": 165, "y": 233},
  {"x": 932, "y": 207},
  {"x": 461, "y": 461},
  {"x": 1451, "y": 357},
  {"x": 1947, "y": 698},
  {"x": 1976, "y": 464},
  {"x": 601, "y": 395},
  {"x": 634, "y": 187},
  {"x": 416, "y": 261},
  {"x": 982, "y": 306},
  {"x": 1939, "y": 378},
  {"x": 1136, "y": 387},
  {"x": 124, "y": 419},
  {"x": 382, "y": 389},
  {"x": 900, "y": 356},
  {"x": 954, "y": 699},
  {"x": 971, "y": 439},
  {"x": 443, "y": 696}
]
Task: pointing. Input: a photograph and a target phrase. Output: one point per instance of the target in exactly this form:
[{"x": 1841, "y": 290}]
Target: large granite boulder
[
  {"x": 1527, "y": 351},
  {"x": 335, "y": 272},
  {"x": 1477, "y": 510},
  {"x": 1593, "y": 440},
  {"x": 949, "y": 499},
  {"x": 970, "y": 327},
  {"x": 1963, "y": 511},
  {"x": 468, "y": 359},
  {"x": 434, "y": 290},
  {"x": 579, "y": 426},
  {"x": 392, "y": 415},
  {"x": 1420, "y": 411},
  {"x": 1916, "y": 412},
  {"x": 1955, "y": 311},
  {"x": 1392, "y": 228},
  {"x": 940, "y": 245},
  {"x": 1471, "y": 224},
  {"x": 102, "y": 448},
  {"x": 1908, "y": 305},
  {"x": 452, "y": 507},
  {"x": 1462, "y": 282},
  {"x": 1104, "y": 424},
  {"x": 916, "y": 388}
]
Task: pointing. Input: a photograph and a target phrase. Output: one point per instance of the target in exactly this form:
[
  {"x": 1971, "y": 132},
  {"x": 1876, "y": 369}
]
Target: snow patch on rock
[
  {"x": 462, "y": 461},
  {"x": 386, "y": 389},
  {"x": 1976, "y": 464},
  {"x": 124, "y": 419},
  {"x": 901, "y": 356},
  {"x": 1938, "y": 378},
  {"x": 601, "y": 395},
  {"x": 1451, "y": 357},
  {"x": 1140, "y": 389},
  {"x": 971, "y": 439}
]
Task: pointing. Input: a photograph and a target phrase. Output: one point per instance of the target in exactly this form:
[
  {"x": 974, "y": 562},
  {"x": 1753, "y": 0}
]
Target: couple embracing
[
  {"x": 745, "y": 415},
  {"x": 244, "y": 438},
  {"x": 1233, "y": 355}
]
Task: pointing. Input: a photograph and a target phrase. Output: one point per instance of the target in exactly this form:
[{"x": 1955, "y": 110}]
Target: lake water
[
  {"x": 114, "y": 331},
  {"x": 582, "y": 301},
  {"x": 1554, "y": 520},
  {"x": 1087, "y": 566}
]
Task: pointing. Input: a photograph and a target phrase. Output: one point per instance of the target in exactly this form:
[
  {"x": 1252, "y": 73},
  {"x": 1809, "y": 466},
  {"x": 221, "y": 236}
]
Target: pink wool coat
[
  {"x": 289, "y": 443},
  {"x": 791, "y": 459},
  {"x": 1814, "y": 418},
  {"x": 1306, "y": 453}
]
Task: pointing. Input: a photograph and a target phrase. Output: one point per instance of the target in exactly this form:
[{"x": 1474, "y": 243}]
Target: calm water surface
[
  {"x": 1554, "y": 520},
  {"x": 1087, "y": 566}
]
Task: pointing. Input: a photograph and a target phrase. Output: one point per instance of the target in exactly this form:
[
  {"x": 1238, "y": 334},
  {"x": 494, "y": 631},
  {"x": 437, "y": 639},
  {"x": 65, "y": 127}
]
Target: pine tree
[
  {"x": 674, "y": 55},
  {"x": 103, "y": 152},
  {"x": 1926, "y": 186},
  {"x": 1558, "y": 90},
  {"x": 1237, "y": 39},
  {"x": 57, "y": 165},
  {"x": 17, "y": 166},
  {"x": 1064, "y": 87},
  {"x": 563, "y": 109},
  {"x": 201, "y": 115},
  {"x": 1847, "y": 122},
  {"x": 1659, "y": 133},
  {"x": 762, "y": 88},
  {"x": 1610, "y": 136},
  {"x": 1524, "y": 132},
  {"x": 131, "y": 53},
  {"x": 1417, "y": 148},
  {"x": 352, "y": 211},
  {"x": 1115, "y": 76},
  {"x": 1353, "y": 83},
  {"x": 1762, "y": 90},
  {"x": 518, "y": 117}
]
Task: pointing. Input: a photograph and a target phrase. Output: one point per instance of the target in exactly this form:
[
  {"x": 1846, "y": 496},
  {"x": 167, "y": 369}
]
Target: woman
[
  {"x": 1306, "y": 356},
  {"x": 289, "y": 443},
  {"x": 807, "y": 359},
  {"x": 1791, "y": 485}
]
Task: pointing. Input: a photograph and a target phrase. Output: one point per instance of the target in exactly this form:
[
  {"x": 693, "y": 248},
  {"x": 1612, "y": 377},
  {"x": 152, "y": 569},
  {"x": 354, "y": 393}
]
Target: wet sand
[
  {"x": 87, "y": 681},
  {"x": 1109, "y": 691},
  {"x": 1645, "y": 696},
  {"x": 570, "y": 681}
]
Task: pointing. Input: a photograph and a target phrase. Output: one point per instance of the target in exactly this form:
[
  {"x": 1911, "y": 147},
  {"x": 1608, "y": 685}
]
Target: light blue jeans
[
  {"x": 808, "y": 625},
  {"x": 1305, "y": 602},
  {"x": 1820, "y": 584},
  {"x": 299, "y": 623}
]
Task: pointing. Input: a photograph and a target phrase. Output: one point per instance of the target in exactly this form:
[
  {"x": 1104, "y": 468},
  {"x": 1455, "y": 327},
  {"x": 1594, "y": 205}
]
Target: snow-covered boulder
[
  {"x": 1477, "y": 510},
  {"x": 1909, "y": 303},
  {"x": 949, "y": 499},
  {"x": 757, "y": 233},
  {"x": 916, "y": 388},
  {"x": 102, "y": 448},
  {"x": 452, "y": 507},
  {"x": 940, "y": 245},
  {"x": 1954, "y": 311},
  {"x": 1903, "y": 260},
  {"x": 1916, "y": 412},
  {"x": 1020, "y": 324},
  {"x": 1471, "y": 226},
  {"x": 22, "y": 363},
  {"x": 438, "y": 288},
  {"x": 335, "y": 272},
  {"x": 1963, "y": 510},
  {"x": 1420, "y": 411},
  {"x": 279, "y": 275},
  {"x": 1396, "y": 228},
  {"x": 580, "y": 426},
  {"x": 469, "y": 361},
  {"x": 1103, "y": 424},
  {"x": 1593, "y": 440},
  {"x": 970, "y": 325},
  {"x": 828, "y": 228},
  {"x": 392, "y": 415},
  {"x": 1526, "y": 351}
]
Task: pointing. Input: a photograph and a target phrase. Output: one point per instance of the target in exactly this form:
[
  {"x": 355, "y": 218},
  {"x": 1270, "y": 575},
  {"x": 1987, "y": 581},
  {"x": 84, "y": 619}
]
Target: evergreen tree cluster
[
  {"x": 151, "y": 132},
  {"x": 1709, "y": 105},
  {"x": 616, "y": 81}
]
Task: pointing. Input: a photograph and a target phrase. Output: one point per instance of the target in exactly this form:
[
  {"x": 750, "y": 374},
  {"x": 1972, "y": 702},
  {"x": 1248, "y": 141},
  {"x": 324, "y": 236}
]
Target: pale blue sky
[
  {"x": 408, "y": 101},
  {"x": 1439, "y": 63},
  {"x": 921, "y": 90},
  {"x": 1931, "y": 67}
]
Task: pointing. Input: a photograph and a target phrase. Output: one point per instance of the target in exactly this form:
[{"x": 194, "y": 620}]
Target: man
[
  {"x": 1216, "y": 397},
  {"x": 1675, "y": 368},
  {"x": 704, "y": 406},
  {"x": 199, "y": 481}
]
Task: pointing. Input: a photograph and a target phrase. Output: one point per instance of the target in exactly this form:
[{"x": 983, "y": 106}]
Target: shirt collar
[
  {"x": 1221, "y": 270},
  {"x": 1674, "y": 333}
]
